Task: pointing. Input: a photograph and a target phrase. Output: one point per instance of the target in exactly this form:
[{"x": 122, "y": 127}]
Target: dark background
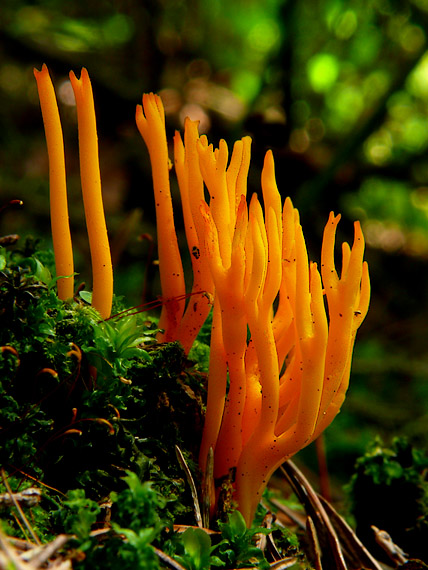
[{"x": 339, "y": 91}]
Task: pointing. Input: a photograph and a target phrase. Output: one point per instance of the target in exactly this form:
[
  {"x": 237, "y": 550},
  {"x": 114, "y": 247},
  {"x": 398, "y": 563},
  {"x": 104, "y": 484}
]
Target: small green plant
[
  {"x": 198, "y": 550},
  {"x": 237, "y": 547},
  {"x": 139, "y": 517},
  {"x": 117, "y": 343},
  {"x": 78, "y": 514},
  {"x": 135, "y": 553},
  {"x": 140, "y": 504}
]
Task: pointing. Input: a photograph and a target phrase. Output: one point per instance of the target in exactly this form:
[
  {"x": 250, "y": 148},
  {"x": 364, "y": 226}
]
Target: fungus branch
[
  {"x": 150, "y": 118},
  {"x": 57, "y": 183},
  {"x": 102, "y": 273}
]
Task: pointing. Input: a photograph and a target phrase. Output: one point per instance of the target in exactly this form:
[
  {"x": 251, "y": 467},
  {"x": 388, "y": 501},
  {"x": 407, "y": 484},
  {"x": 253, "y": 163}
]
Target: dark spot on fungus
[{"x": 195, "y": 252}]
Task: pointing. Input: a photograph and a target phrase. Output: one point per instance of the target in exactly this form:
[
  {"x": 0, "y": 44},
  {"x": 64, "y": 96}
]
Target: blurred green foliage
[
  {"x": 389, "y": 490},
  {"x": 338, "y": 89}
]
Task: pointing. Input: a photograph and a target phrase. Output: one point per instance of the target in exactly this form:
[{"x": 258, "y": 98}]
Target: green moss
[
  {"x": 83, "y": 400},
  {"x": 389, "y": 490}
]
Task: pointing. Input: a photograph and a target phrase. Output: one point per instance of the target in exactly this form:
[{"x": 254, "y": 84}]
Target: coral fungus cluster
[{"x": 283, "y": 331}]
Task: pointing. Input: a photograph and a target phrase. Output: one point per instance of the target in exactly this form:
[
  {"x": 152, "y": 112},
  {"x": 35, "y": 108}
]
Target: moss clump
[
  {"x": 82, "y": 400},
  {"x": 389, "y": 490}
]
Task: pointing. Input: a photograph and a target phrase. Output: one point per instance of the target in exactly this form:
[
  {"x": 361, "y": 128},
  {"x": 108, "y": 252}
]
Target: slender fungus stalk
[
  {"x": 102, "y": 272},
  {"x": 192, "y": 194},
  {"x": 57, "y": 183},
  {"x": 150, "y": 118}
]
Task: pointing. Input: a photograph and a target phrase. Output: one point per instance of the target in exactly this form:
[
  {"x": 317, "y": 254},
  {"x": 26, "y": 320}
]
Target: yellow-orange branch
[
  {"x": 57, "y": 184},
  {"x": 150, "y": 118},
  {"x": 102, "y": 273}
]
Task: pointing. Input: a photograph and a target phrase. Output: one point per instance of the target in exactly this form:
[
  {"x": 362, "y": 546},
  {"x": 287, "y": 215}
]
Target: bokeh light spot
[
  {"x": 299, "y": 140},
  {"x": 11, "y": 78},
  {"x": 66, "y": 93},
  {"x": 345, "y": 103},
  {"x": 412, "y": 38},
  {"x": 315, "y": 129},
  {"x": 418, "y": 80},
  {"x": 323, "y": 70},
  {"x": 419, "y": 198},
  {"x": 384, "y": 235},
  {"x": 118, "y": 29},
  {"x": 195, "y": 113},
  {"x": 346, "y": 25},
  {"x": 378, "y": 147},
  {"x": 300, "y": 111},
  {"x": 246, "y": 84},
  {"x": 366, "y": 46},
  {"x": 415, "y": 133},
  {"x": 264, "y": 35},
  {"x": 400, "y": 106}
]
